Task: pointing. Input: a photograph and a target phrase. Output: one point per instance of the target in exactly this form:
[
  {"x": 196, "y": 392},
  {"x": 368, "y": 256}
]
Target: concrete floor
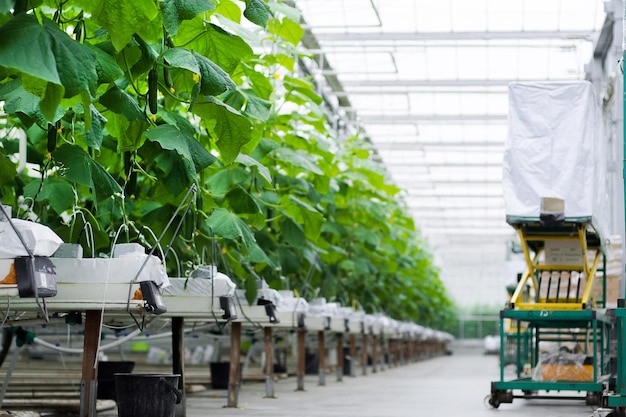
[{"x": 456, "y": 384}]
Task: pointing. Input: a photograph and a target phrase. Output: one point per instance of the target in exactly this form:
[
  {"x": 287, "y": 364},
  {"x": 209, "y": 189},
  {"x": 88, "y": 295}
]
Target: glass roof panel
[{"x": 427, "y": 83}]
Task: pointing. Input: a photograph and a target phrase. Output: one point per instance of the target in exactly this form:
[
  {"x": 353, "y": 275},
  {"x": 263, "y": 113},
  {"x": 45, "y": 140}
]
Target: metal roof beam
[
  {"x": 411, "y": 118},
  {"x": 436, "y": 83},
  {"x": 450, "y": 36},
  {"x": 418, "y": 90},
  {"x": 406, "y": 184},
  {"x": 414, "y": 164},
  {"x": 421, "y": 144}
]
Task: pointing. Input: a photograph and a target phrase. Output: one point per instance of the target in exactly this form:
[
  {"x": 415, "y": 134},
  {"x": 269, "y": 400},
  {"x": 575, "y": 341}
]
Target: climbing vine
[{"x": 125, "y": 105}]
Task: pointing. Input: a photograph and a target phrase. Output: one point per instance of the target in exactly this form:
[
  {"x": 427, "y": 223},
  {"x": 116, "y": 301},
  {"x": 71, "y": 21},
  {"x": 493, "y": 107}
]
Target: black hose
[{"x": 7, "y": 338}]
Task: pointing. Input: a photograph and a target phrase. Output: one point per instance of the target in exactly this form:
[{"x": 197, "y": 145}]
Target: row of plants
[{"x": 127, "y": 105}]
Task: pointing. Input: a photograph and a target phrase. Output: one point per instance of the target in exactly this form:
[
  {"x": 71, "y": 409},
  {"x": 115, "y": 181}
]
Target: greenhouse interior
[{"x": 340, "y": 207}]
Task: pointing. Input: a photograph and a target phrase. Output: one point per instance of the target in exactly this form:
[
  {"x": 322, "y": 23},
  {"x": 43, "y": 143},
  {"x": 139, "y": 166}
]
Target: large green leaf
[
  {"x": 214, "y": 80},
  {"x": 121, "y": 18},
  {"x": 80, "y": 168},
  {"x": 20, "y": 102},
  {"x": 120, "y": 102},
  {"x": 232, "y": 130},
  {"x": 26, "y": 46},
  {"x": 226, "y": 180},
  {"x": 7, "y": 170},
  {"x": 213, "y": 42},
  {"x": 172, "y": 138},
  {"x": 93, "y": 136},
  {"x": 292, "y": 233},
  {"x": 229, "y": 9},
  {"x": 261, "y": 85},
  {"x": 65, "y": 69},
  {"x": 302, "y": 87},
  {"x": 288, "y": 11},
  {"x": 182, "y": 58},
  {"x": 255, "y": 107},
  {"x": 175, "y": 11},
  {"x": 51, "y": 99},
  {"x": 303, "y": 214},
  {"x": 298, "y": 158},
  {"x": 129, "y": 133},
  {"x": 227, "y": 225},
  {"x": 76, "y": 63},
  {"x": 55, "y": 191},
  {"x": 263, "y": 171},
  {"x": 257, "y": 11},
  {"x": 258, "y": 256},
  {"x": 287, "y": 29},
  {"x": 106, "y": 67},
  {"x": 242, "y": 202}
]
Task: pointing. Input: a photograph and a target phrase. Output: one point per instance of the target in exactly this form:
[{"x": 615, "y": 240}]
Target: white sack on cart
[
  {"x": 555, "y": 148},
  {"x": 40, "y": 239}
]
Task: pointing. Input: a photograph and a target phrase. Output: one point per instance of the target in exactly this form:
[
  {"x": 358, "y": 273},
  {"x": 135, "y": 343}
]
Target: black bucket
[
  {"x": 106, "y": 377},
  {"x": 220, "y": 374},
  {"x": 147, "y": 395}
]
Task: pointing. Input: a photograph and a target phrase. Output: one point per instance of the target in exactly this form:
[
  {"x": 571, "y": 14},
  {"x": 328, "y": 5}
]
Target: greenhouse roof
[{"x": 427, "y": 83}]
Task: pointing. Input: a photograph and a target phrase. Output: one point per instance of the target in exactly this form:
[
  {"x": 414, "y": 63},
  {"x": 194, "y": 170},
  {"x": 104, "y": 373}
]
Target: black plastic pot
[
  {"x": 106, "y": 377},
  {"x": 147, "y": 395}
]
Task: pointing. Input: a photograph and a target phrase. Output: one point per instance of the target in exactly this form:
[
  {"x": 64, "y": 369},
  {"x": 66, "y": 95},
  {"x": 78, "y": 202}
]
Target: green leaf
[
  {"x": 292, "y": 233},
  {"x": 214, "y": 80},
  {"x": 232, "y": 130},
  {"x": 7, "y": 170},
  {"x": 230, "y": 10},
  {"x": 257, "y": 11},
  {"x": 76, "y": 63},
  {"x": 93, "y": 136},
  {"x": 175, "y": 11},
  {"x": 242, "y": 202},
  {"x": 80, "y": 168},
  {"x": 106, "y": 67},
  {"x": 52, "y": 98},
  {"x": 226, "y": 180},
  {"x": 258, "y": 256},
  {"x": 263, "y": 171},
  {"x": 120, "y": 102},
  {"x": 287, "y": 29},
  {"x": 303, "y": 87},
  {"x": 133, "y": 134},
  {"x": 6, "y": 6},
  {"x": 347, "y": 265},
  {"x": 256, "y": 107},
  {"x": 182, "y": 58},
  {"x": 213, "y": 42},
  {"x": 251, "y": 289},
  {"x": 20, "y": 102},
  {"x": 172, "y": 138},
  {"x": 227, "y": 225},
  {"x": 121, "y": 18},
  {"x": 55, "y": 191},
  {"x": 260, "y": 83},
  {"x": 27, "y": 47},
  {"x": 303, "y": 214},
  {"x": 298, "y": 158},
  {"x": 290, "y": 12}
]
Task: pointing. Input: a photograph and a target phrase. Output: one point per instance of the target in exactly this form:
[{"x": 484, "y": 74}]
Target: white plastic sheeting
[
  {"x": 555, "y": 148},
  {"x": 40, "y": 239}
]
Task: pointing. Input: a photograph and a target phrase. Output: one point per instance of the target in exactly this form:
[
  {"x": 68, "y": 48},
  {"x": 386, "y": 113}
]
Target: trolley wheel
[
  {"x": 617, "y": 412},
  {"x": 492, "y": 400},
  {"x": 593, "y": 398},
  {"x": 498, "y": 397}
]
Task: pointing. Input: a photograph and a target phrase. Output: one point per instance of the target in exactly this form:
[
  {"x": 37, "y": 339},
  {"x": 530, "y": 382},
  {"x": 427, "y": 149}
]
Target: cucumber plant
[{"x": 127, "y": 104}]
